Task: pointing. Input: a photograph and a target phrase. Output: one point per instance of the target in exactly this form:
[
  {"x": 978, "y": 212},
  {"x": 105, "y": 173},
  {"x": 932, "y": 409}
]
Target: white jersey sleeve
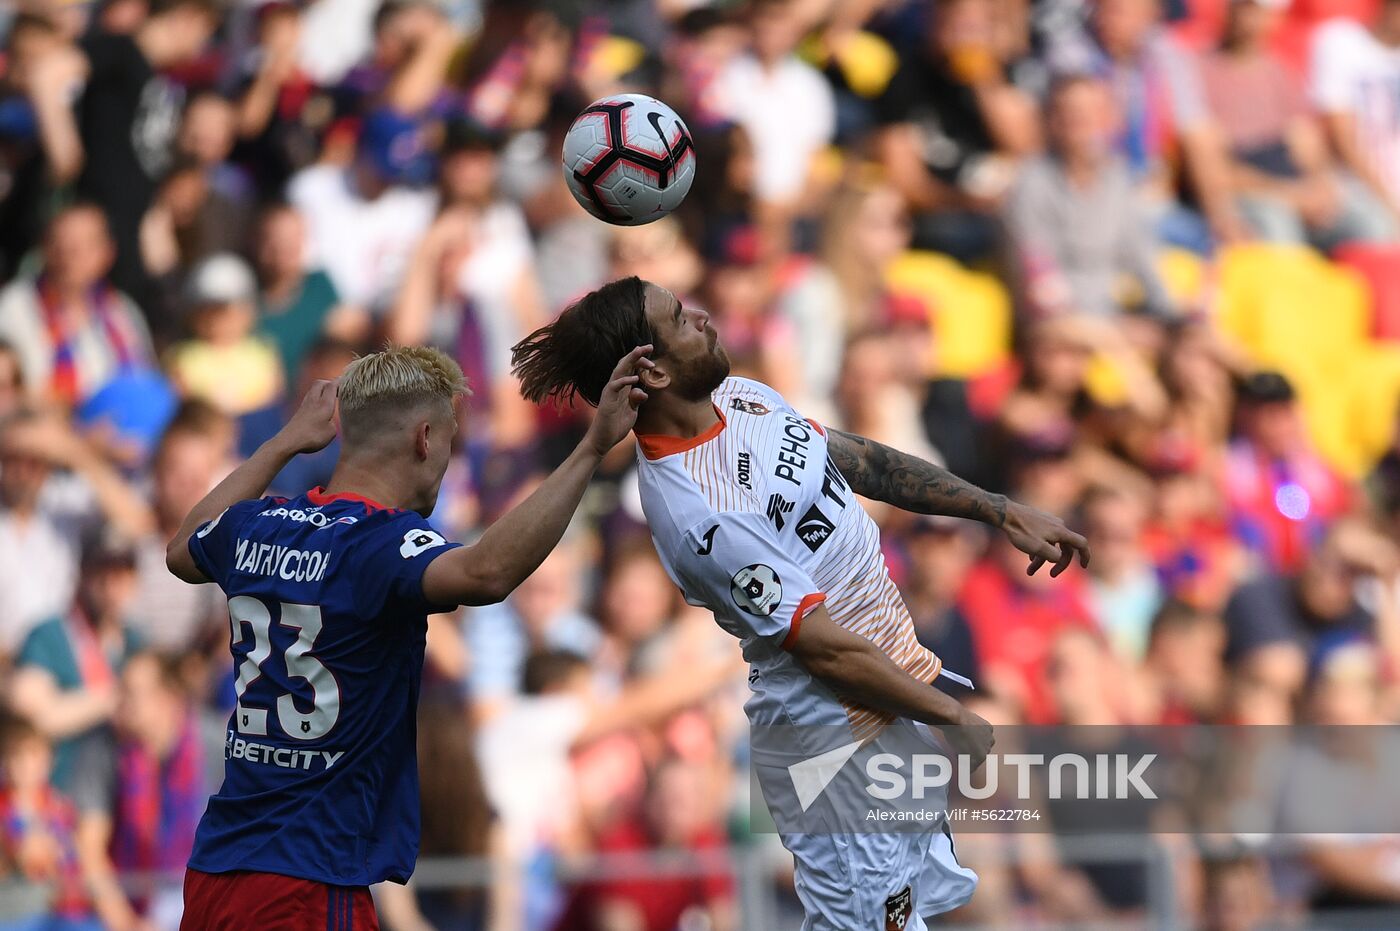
[{"x": 732, "y": 564}]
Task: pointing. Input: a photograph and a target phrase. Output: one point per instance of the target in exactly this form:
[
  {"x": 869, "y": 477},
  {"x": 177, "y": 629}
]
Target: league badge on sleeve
[
  {"x": 419, "y": 541},
  {"x": 757, "y": 590}
]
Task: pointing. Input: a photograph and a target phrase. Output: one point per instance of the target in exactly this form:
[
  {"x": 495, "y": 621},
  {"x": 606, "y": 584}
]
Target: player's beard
[{"x": 699, "y": 381}]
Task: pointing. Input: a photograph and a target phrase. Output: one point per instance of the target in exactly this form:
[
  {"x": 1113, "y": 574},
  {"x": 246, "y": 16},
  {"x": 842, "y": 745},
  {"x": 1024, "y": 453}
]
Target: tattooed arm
[{"x": 911, "y": 484}]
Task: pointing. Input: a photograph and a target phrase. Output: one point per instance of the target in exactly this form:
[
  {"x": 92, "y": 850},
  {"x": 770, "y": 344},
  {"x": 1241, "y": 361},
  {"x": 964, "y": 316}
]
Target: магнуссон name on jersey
[{"x": 283, "y": 562}]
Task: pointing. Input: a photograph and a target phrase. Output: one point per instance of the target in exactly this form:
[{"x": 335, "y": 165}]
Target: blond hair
[{"x": 395, "y": 380}]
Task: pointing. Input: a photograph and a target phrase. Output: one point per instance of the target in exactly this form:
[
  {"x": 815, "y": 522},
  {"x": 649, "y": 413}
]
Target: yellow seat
[{"x": 971, "y": 311}]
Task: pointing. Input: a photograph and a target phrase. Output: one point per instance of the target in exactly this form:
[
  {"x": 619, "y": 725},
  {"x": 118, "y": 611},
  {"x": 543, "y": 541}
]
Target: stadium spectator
[
  {"x": 1280, "y": 493},
  {"x": 37, "y": 834},
  {"x": 679, "y": 814},
  {"x": 296, "y": 305},
  {"x": 55, "y": 492},
  {"x": 139, "y": 797},
  {"x": 561, "y": 711},
  {"x": 1015, "y": 621},
  {"x": 65, "y": 679},
  {"x": 1318, "y": 608},
  {"x": 192, "y": 455},
  {"x": 1354, "y": 72},
  {"x": 1282, "y": 171},
  {"x": 129, "y": 113},
  {"x": 364, "y": 218},
  {"x": 951, "y": 127},
  {"x": 541, "y": 615},
  {"x": 1184, "y": 666},
  {"x": 73, "y": 329},
  {"x": 1082, "y": 241},
  {"x": 942, "y": 551},
  {"x": 1163, "y": 117},
  {"x": 784, "y": 107},
  {"x": 1124, "y": 592},
  {"x": 472, "y": 284},
  {"x": 277, "y": 108},
  {"x": 188, "y": 222},
  {"x": 225, "y": 363}
]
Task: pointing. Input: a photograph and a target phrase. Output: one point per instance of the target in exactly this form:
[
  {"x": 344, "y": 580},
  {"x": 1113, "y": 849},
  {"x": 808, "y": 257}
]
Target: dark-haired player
[{"x": 753, "y": 510}]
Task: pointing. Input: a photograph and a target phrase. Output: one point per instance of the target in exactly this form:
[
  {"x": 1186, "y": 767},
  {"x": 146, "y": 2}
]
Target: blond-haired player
[
  {"x": 328, "y": 596},
  {"x": 754, "y": 513}
]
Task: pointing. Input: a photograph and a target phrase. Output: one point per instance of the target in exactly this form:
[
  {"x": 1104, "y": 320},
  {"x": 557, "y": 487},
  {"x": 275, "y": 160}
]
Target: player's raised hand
[
  {"x": 617, "y": 406},
  {"x": 1044, "y": 538},
  {"x": 312, "y": 427}
]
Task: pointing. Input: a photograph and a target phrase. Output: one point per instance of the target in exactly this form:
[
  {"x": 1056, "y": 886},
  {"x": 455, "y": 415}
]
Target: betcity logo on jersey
[{"x": 236, "y": 748}]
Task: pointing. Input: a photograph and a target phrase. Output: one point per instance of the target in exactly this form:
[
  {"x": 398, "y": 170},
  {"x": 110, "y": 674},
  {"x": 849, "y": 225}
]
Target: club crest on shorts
[
  {"x": 756, "y": 590},
  {"x": 745, "y": 406},
  {"x": 898, "y": 908}
]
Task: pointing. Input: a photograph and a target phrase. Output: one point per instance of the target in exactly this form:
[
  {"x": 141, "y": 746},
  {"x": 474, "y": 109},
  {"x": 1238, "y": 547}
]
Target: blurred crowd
[{"x": 1132, "y": 261}]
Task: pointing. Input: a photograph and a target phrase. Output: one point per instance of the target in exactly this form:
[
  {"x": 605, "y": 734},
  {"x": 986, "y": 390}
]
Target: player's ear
[
  {"x": 655, "y": 378},
  {"x": 423, "y": 439}
]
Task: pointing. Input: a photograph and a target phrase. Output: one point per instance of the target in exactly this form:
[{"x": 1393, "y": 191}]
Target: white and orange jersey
[{"x": 753, "y": 521}]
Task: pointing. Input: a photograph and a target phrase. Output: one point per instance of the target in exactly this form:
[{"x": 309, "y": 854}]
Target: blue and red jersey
[{"x": 328, "y": 623}]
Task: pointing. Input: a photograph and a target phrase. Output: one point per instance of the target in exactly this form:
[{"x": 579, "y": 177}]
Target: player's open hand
[
  {"x": 617, "y": 406},
  {"x": 1044, "y": 538},
  {"x": 312, "y": 427}
]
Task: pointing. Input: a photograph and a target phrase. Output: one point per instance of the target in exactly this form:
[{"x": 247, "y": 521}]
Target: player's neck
[
  {"x": 376, "y": 484},
  {"x": 683, "y": 419}
]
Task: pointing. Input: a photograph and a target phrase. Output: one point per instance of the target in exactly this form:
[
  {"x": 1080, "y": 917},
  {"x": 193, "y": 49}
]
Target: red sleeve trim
[
  {"x": 819, "y": 428},
  {"x": 804, "y": 607}
]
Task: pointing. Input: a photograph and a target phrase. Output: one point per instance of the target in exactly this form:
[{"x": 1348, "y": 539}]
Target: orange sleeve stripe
[
  {"x": 804, "y": 607},
  {"x": 818, "y": 427}
]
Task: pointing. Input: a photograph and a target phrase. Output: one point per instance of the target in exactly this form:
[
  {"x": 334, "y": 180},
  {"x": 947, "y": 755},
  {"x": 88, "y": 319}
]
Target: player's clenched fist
[
  {"x": 312, "y": 427},
  {"x": 971, "y": 737}
]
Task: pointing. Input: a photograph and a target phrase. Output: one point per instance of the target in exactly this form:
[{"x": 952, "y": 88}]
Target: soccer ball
[{"x": 628, "y": 159}]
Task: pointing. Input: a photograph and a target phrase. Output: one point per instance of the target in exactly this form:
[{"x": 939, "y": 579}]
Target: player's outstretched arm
[
  {"x": 514, "y": 546},
  {"x": 884, "y": 474},
  {"x": 857, "y": 669},
  {"x": 310, "y": 429}
]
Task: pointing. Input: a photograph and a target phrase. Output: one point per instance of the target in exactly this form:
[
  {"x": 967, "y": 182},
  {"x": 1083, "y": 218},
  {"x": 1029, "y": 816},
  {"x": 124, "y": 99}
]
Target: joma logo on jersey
[
  {"x": 814, "y": 528},
  {"x": 745, "y": 406},
  {"x": 745, "y": 471}
]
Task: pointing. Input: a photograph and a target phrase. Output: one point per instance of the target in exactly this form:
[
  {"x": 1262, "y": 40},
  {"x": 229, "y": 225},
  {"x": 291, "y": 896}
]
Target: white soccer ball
[{"x": 628, "y": 159}]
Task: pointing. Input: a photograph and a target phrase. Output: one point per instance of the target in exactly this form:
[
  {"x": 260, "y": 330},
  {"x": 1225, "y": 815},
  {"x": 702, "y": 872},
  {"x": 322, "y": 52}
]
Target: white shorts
[
  {"x": 880, "y": 882},
  {"x": 876, "y": 880}
]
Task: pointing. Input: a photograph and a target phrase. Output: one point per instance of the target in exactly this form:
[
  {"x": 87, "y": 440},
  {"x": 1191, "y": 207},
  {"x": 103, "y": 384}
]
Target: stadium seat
[
  {"x": 1380, "y": 267},
  {"x": 971, "y": 311},
  {"x": 1311, "y": 319}
]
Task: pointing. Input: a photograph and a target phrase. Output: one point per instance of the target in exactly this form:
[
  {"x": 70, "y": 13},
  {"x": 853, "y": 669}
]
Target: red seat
[{"x": 1380, "y": 266}]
